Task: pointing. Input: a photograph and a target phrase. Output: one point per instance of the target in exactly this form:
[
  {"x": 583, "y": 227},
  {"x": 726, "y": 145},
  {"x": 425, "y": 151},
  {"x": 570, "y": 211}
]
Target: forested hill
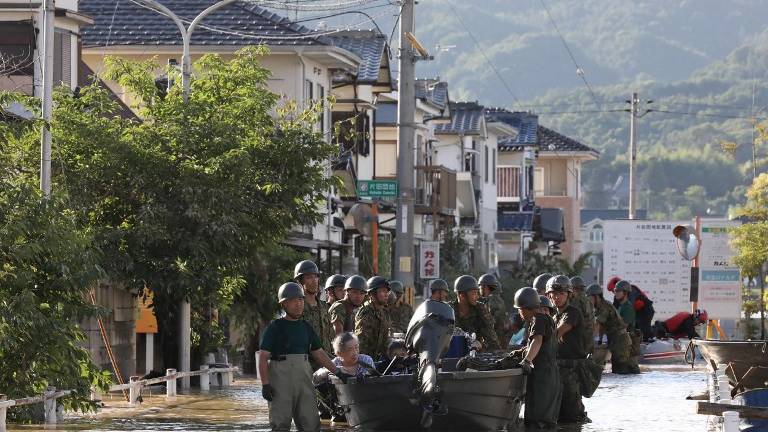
[{"x": 701, "y": 62}]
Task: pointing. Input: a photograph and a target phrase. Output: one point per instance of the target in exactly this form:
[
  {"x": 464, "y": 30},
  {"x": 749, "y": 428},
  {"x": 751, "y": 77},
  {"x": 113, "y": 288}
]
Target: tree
[{"x": 751, "y": 239}]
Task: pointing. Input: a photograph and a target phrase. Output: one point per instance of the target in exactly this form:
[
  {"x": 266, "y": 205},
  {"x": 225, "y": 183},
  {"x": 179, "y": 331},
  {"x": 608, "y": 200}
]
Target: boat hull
[
  {"x": 724, "y": 352},
  {"x": 474, "y": 401},
  {"x": 663, "y": 351}
]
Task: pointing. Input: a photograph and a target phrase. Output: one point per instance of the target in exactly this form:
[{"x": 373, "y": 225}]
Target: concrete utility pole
[
  {"x": 632, "y": 153},
  {"x": 185, "y": 309},
  {"x": 47, "y": 96},
  {"x": 403, "y": 264}
]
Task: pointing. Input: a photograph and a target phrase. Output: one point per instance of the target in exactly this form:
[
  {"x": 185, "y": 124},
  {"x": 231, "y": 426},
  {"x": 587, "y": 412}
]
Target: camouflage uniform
[
  {"x": 570, "y": 358},
  {"x": 344, "y": 311},
  {"x": 372, "y": 328},
  {"x": 400, "y": 315},
  {"x": 320, "y": 319},
  {"x": 584, "y": 306},
  {"x": 498, "y": 310},
  {"x": 619, "y": 342},
  {"x": 480, "y": 322}
]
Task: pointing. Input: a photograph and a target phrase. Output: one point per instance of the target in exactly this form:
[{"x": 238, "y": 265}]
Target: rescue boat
[{"x": 753, "y": 352}]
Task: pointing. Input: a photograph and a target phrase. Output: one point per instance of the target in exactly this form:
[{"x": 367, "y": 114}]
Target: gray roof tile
[
  {"x": 122, "y": 22},
  {"x": 527, "y": 125},
  {"x": 466, "y": 118},
  {"x": 432, "y": 90},
  {"x": 550, "y": 140},
  {"x": 369, "y": 45}
]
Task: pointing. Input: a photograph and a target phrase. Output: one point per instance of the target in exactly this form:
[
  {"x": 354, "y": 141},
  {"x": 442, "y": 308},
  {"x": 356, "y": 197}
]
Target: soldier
[
  {"x": 315, "y": 313},
  {"x": 400, "y": 312},
  {"x": 609, "y": 323},
  {"x": 438, "y": 290},
  {"x": 343, "y": 311},
  {"x": 581, "y": 302},
  {"x": 472, "y": 316},
  {"x": 547, "y": 307},
  {"x": 372, "y": 320},
  {"x": 334, "y": 288},
  {"x": 627, "y": 313},
  {"x": 490, "y": 288},
  {"x": 540, "y": 283},
  {"x": 570, "y": 351},
  {"x": 286, "y": 377}
]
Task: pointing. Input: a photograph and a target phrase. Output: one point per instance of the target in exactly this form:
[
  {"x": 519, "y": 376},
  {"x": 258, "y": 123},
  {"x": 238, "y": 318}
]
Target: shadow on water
[{"x": 654, "y": 400}]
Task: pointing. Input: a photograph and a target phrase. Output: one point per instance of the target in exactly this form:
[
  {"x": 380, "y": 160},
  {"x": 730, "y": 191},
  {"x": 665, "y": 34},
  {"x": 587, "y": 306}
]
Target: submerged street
[{"x": 622, "y": 403}]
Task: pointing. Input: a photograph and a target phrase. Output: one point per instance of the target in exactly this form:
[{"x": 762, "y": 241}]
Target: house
[
  {"x": 592, "y": 236},
  {"x": 302, "y": 63},
  {"x": 468, "y": 144}
]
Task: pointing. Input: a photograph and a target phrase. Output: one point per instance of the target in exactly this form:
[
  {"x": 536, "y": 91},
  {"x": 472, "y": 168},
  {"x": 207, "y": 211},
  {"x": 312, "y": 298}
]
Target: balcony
[
  {"x": 508, "y": 184},
  {"x": 435, "y": 191}
]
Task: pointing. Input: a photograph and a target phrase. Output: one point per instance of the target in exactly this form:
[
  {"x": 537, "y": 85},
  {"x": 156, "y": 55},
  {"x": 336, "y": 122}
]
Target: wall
[{"x": 120, "y": 326}]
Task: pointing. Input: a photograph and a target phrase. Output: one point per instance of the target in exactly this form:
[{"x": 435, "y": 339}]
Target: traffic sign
[{"x": 377, "y": 188}]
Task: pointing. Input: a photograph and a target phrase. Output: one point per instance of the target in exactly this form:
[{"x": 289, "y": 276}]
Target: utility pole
[
  {"x": 47, "y": 97},
  {"x": 632, "y": 153},
  {"x": 403, "y": 264}
]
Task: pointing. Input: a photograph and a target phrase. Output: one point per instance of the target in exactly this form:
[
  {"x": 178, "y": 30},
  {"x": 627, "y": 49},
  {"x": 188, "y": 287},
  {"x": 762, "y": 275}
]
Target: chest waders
[{"x": 294, "y": 399}]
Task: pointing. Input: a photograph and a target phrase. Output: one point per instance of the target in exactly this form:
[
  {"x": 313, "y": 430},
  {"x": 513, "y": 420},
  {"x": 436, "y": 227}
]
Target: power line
[{"x": 700, "y": 114}]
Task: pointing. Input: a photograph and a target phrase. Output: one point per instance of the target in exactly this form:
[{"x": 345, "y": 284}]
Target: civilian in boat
[{"x": 438, "y": 290}]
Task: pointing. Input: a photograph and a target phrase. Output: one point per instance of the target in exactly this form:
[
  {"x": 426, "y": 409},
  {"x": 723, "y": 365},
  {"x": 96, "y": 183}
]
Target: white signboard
[
  {"x": 429, "y": 261},
  {"x": 644, "y": 253},
  {"x": 719, "y": 285}
]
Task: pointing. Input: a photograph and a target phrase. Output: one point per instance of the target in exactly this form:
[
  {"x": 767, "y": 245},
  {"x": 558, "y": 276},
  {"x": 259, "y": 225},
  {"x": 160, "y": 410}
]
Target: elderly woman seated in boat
[{"x": 349, "y": 361}]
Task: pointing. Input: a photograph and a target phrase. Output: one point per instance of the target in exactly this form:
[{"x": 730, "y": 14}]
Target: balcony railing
[
  {"x": 435, "y": 190},
  {"x": 508, "y": 184}
]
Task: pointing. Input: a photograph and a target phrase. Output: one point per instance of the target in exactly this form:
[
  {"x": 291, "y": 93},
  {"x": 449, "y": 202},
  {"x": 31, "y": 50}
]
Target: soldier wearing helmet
[
  {"x": 343, "y": 311},
  {"x": 490, "y": 289},
  {"x": 334, "y": 288},
  {"x": 400, "y": 312},
  {"x": 316, "y": 312},
  {"x": 609, "y": 323},
  {"x": 547, "y": 307},
  {"x": 621, "y": 297},
  {"x": 372, "y": 320},
  {"x": 285, "y": 373},
  {"x": 579, "y": 299},
  {"x": 540, "y": 283},
  {"x": 570, "y": 351},
  {"x": 438, "y": 290},
  {"x": 471, "y": 315}
]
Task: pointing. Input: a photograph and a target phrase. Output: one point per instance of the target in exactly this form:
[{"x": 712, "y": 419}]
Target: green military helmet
[
  {"x": 527, "y": 298},
  {"x": 334, "y": 281},
  {"x": 305, "y": 267},
  {"x": 437, "y": 285},
  {"x": 623, "y": 285},
  {"x": 288, "y": 291},
  {"x": 396, "y": 286},
  {"x": 545, "y": 301},
  {"x": 540, "y": 283},
  {"x": 490, "y": 281},
  {"x": 464, "y": 284},
  {"x": 577, "y": 282},
  {"x": 558, "y": 283},
  {"x": 594, "y": 289},
  {"x": 377, "y": 282},
  {"x": 356, "y": 282}
]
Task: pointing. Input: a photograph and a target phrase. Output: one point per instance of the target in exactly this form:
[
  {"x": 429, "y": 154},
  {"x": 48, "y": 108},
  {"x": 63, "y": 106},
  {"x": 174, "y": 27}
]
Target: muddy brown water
[{"x": 651, "y": 401}]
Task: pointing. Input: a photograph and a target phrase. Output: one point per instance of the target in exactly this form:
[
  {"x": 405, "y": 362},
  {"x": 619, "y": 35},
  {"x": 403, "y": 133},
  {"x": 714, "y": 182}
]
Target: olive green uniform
[
  {"x": 400, "y": 315},
  {"x": 372, "y": 329},
  {"x": 571, "y": 357},
  {"x": 480, "y": 322},
  {"x": 619, "y": 342},
  {"x": 320, "y": 319},
  {"x": 584, "y": 306},
  {"x": 498, "y": 310},
  {"x": 543, "y": 388},
  {"x": 344, "y": 311}
]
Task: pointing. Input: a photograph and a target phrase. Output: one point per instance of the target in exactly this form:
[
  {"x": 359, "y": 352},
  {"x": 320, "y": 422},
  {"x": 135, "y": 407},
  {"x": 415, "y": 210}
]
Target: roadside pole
[
  {"x": 632, "y": 153},
  {"x": 403, "y": 265},
  {"x": 47, "y": 97}
]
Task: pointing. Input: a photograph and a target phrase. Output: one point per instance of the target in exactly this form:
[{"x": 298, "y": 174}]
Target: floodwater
[{"x": 651, "y": 401}]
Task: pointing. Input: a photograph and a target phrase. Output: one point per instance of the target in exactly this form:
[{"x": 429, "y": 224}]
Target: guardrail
[
  {"x": 48, "y": 399},
  {"x": 134, "y": 386}
]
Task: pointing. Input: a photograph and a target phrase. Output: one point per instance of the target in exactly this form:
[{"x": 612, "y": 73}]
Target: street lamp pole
[{"x": 185, "y": 309}]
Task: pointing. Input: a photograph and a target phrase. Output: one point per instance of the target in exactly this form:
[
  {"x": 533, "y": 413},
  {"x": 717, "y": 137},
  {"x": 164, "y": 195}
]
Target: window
[
  {"x": 596, "y": 234},
  {"x": 17, "y": 47},
  {"x": 62, "y": 58},
  {"x": 308, "y": 94},
  {"x": 321, "y": 98},
  {"x": 493, "y": 166},
  {"x": 487, "y": 161},
  {"x": 538, "y": 181}
]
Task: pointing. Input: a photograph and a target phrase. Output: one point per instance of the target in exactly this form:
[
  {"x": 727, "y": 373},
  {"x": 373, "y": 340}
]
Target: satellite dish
[{"x": 362, "y": 215}]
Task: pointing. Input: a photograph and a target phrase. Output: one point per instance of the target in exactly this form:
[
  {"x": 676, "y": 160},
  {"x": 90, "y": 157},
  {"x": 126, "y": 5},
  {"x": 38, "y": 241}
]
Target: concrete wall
[{"x": 120, "y": 326}]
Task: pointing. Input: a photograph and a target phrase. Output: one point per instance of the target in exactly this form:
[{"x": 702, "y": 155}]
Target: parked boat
[
  {"x": 752, "y": 352},
  {"x": 431, "y": 398},
  {"x": 663, "y": 351}
]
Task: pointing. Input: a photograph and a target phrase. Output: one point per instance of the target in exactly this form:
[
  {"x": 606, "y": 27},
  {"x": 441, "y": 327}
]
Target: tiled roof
[
  {"x": 588, "y": 215},
  {"x": 369, "y": 45},
  {"x": 550, "y": 140},
  {"x": 466, "y": 118},
  {"x": 526, "y": 124},
  {"x": 432, "y": 90},
  {"x": 122, "y": 22}
]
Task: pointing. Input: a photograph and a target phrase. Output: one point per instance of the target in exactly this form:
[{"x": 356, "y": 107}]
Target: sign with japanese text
[
  {"x": 430, "y": 260},
  {"x": 719, "y": 278},
  {"x": 377, "y": 188},
  {"x": 644, "y": 253}
]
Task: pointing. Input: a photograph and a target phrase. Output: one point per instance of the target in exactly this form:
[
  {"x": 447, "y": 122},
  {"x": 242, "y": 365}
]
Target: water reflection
[{"x": 654, "y": 399}]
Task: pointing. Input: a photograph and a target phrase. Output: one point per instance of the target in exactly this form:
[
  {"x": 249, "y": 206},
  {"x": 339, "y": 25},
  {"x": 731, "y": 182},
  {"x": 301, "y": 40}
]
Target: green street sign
[{"x": 377, "y": 188}]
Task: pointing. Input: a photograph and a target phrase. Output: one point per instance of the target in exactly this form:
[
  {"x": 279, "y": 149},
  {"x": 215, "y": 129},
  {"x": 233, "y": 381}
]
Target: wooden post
[
  {"x": 205, "y": 378},
  {"x": 49, "y": 405},
  {"x": 3, "y": 412},
  {"x": 134, "y": 391},
  {"x": 170, "y": 385}
]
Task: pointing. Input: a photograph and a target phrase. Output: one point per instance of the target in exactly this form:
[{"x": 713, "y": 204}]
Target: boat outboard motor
[{"x": 429, "y": 334}]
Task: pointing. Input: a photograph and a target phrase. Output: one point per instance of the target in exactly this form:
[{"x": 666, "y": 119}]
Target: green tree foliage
[{"x": 751, "y": 239}]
